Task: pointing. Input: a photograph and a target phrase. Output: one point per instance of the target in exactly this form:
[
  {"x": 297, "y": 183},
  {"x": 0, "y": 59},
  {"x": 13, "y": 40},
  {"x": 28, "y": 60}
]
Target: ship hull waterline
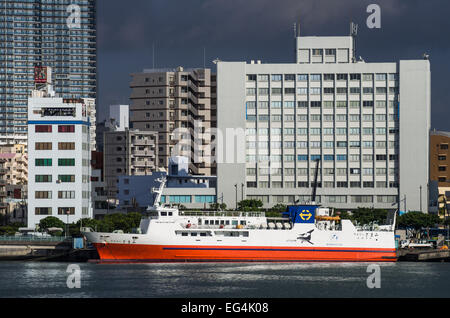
[{"x": 115, "y": 252}]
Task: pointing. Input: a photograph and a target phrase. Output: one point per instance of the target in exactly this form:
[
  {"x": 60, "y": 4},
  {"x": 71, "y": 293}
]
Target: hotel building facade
[
  {"x": 366, "y": 123},
  {"x": 59, "y": 159}
]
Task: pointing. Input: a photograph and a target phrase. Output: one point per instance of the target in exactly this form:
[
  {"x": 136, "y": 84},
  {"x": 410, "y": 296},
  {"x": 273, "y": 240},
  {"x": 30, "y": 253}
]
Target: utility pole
[
  {"x": 235, "y": 186},
  {"x": 420, "y": 189},
  {"x": 404, "y": 202}
]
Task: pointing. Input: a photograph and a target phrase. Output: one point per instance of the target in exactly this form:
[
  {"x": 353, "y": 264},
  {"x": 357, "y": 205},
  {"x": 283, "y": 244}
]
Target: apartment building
[
  {"x": 440, "y": 157},
  {"x": 59, "y": 159},
  {"x": 3, "y": 204},
  {"x": 16, "y": 164},
  {"x": 367, "y": 124},
  {"x": 179, "y": 104},
  {"x": 128, "y": 152},
  {"x": 39, "y": 34}
]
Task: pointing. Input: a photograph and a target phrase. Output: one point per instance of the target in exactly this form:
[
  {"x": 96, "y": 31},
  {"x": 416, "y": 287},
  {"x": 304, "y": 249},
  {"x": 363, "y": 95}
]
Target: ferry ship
[{"x": 305, "y": 233}]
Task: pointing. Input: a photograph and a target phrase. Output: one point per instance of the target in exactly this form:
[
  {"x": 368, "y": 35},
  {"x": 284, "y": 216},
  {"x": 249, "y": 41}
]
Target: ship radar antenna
[{"x": 162, "y": 182}]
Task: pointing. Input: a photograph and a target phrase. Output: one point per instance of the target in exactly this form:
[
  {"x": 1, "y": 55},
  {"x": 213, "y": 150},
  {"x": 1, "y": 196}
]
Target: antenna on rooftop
[{"x": 353, "y": 34}]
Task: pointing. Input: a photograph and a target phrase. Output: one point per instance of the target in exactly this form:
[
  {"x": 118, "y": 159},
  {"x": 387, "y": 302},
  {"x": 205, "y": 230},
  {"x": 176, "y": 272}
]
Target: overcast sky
[{"x": 243, "y": 30}]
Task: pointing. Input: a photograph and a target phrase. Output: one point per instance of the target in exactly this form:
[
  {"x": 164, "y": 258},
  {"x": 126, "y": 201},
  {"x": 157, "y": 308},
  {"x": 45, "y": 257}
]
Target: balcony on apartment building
[{"x": 143, "y": 153}]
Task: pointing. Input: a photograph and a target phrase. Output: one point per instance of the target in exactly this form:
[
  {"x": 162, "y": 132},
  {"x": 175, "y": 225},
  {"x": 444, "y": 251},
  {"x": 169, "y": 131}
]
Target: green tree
[
  {"x": 8, "y": 230},
  {"x": 418, "y": 220},
  {"x": 218, "y": 206},
  {"x": 118, "y": 221},
  {"x": 50, "y": 221},
  {"x": 250, "y": 205}
]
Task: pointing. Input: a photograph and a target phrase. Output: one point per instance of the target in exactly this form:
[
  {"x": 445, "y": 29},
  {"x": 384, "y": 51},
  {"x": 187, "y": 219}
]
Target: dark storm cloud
[{"x": 263, "y": 29}]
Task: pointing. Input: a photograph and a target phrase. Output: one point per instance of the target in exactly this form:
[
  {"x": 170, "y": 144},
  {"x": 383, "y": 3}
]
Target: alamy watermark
[
  {"x": 74, "y": 278},
  {"x": 374, "y": 19},
  {"x": 74, "y": 19},
  {"x": 374, "y": 279}
]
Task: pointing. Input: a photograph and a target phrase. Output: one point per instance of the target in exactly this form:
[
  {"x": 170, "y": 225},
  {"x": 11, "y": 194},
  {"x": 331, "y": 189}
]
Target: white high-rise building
[
  {"x": 59, "y": 159},
  {"x": 366, "y": 123},
  {"x": 121, "y": 116}
]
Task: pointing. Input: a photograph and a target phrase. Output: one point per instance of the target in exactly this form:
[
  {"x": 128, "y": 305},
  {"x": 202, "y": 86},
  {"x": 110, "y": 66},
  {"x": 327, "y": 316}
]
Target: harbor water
[{"x": 219, "y": 280}]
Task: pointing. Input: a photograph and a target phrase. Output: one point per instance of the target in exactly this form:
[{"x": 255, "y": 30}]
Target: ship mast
[{"x": 159, "y": 191}]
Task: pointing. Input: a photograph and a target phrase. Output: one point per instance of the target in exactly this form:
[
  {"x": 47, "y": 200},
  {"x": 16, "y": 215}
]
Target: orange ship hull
[{"x": 158, "y": 253}]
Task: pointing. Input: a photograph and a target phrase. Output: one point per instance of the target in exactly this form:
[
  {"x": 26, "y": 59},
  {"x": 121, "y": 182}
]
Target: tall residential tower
[{"x": 60, "y": 34}]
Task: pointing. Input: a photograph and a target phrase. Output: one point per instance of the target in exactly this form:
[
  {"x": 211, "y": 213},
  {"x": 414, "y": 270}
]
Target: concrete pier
[
  {"x": 423, "y": 255},
  {"x": 44, "y": 251}
]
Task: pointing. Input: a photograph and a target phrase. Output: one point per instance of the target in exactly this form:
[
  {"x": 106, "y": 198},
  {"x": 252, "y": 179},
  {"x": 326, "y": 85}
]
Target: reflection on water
[{"x": 224, "y": 280}]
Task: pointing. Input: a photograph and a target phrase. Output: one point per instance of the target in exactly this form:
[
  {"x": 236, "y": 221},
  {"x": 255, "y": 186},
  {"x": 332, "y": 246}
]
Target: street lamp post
[{"x": 67, "y": 224}]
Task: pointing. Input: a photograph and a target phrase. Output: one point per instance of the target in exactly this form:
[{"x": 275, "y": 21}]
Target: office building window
[
  {"x": 66, "y": 146},
  {"x": 249, "y": 105},
  {"x": 361, "y": 199},
  {"x": 275, "y": 104},
  {"x": 302, "y": 91},
  {"x": 263, "y": 77},
  {"x": 43, "y": 162},
  {"x": 43, "y": 195},
  {"x": 66, "y": 162},
  {"x": 205, "y": 198},
  {"x": 66, "y": 194},
  {"x": 66, "y": 178},
  {"x": 43, "y": 211},
  {"x": 66, "y": 128},
  {"x": 43, "y": 146},
  {"x": 277, "y": 77},
  {"x": 43, "y": 128},
  {"x": 66, "y": 211},
  {"x": 43, "y": 178}
]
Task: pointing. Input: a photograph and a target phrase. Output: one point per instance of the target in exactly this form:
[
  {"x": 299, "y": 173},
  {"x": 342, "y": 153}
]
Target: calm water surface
[{"x": 24, "y": 279}]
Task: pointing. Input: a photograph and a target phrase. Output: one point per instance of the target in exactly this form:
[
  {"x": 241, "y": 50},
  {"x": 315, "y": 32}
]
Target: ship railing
[{"x": 222, "y": 214}]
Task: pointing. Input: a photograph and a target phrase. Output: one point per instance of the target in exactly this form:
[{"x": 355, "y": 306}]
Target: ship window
[
  {"x": 234, "y": 222},
  {"x": 184, "y": 234},
  {"x": 222, "y": 222},
  {"x": 227, "y": 222},
  {"x": 170, "y": 213},
  {"x": 216, "y": 222},
  {"x": 202, "y": 234},
  {"x": 193, "y": 234},
  {"x": 242, "y": 222},
  {"x": 206, "y": 222}
]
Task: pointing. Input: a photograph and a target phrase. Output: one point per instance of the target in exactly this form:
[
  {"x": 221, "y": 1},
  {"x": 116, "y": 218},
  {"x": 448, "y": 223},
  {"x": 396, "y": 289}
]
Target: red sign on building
[{"x": 40, "y": 74}]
